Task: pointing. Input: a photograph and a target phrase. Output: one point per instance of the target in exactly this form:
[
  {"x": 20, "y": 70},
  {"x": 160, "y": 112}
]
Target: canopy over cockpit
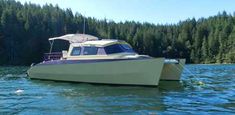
[{"x": 75, "y": 38}]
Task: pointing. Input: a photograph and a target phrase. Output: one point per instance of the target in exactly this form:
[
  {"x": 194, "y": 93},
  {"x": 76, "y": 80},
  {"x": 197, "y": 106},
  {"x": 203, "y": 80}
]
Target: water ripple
[{"x": 208, "y": 89}]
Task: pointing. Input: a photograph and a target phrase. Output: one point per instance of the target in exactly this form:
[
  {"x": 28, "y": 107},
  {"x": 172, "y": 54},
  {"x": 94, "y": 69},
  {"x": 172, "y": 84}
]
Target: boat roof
[
  {"x": 99, "y": 43},
  {"x": 86, "y": 40},
  {"x": 75, "y": 38}
]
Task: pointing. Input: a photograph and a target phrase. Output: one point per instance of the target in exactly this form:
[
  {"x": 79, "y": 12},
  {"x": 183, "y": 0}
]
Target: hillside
[{"x": 25, "y": 29}]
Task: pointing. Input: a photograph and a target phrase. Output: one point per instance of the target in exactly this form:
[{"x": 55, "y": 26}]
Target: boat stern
[{"x": 172, "y": 69}]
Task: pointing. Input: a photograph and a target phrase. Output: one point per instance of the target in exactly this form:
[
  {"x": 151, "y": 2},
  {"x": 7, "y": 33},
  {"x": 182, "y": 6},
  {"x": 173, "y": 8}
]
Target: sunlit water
[{"x": 211, "y": 90}]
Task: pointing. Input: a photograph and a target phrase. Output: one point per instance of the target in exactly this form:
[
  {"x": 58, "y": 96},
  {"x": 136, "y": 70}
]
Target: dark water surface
[{"x": 210, "y": 91}]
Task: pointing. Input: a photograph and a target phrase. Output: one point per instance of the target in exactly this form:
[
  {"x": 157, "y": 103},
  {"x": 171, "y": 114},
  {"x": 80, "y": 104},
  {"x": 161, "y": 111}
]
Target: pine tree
[
  {"x": 25, "y": 29},
  {"x": 205, "y": 50}
]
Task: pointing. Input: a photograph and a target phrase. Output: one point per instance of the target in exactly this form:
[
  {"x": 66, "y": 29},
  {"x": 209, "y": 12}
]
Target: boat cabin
[{"x": 84, "y": 46}]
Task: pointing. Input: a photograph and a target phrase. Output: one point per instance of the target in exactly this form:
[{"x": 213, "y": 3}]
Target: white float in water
[{"x": 19, "y": 91}]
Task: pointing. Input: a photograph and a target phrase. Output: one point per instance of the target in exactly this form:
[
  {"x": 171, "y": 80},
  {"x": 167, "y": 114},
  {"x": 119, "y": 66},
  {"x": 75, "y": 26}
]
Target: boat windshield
[{"x": 118, "y": 48}]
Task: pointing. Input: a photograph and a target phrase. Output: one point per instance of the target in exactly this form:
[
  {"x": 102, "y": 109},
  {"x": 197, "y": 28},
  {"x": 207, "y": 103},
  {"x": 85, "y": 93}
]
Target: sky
[{"x": 152, "y": 11}]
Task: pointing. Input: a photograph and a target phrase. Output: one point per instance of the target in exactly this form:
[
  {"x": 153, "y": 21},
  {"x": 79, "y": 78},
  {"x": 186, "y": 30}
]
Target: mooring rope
[{"x": 192, "y": 74}]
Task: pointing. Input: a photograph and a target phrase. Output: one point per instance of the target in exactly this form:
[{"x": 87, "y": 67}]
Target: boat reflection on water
[
  {"x": 171, "y": 85},
  {"x": 105, "y": 98}
]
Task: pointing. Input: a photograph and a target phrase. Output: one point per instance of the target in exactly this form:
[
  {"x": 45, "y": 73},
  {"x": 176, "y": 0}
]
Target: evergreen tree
[{"x": 25, "y": 29}]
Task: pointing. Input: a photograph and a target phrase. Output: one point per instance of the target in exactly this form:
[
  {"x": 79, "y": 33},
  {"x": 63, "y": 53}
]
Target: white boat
[{"x": 105, "y": 61}]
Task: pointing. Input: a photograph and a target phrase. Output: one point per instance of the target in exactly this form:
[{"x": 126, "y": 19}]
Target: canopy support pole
[{"x": 51, "y": 45}]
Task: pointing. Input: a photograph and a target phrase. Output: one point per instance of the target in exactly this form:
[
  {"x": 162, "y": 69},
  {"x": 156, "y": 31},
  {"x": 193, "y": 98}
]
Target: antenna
[{"x": 84, "y": 24}]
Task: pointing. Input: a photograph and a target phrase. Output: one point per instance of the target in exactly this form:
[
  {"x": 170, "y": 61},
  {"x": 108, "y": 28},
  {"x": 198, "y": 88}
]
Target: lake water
[{"x": 209, "y": 89}]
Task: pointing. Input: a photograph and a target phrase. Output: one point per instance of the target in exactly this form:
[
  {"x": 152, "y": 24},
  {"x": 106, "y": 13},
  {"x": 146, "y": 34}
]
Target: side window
[
  {"x": 76, "y": 51},
  {"x": 115, "y": 48},
  {"x": 90, "y": 51}
]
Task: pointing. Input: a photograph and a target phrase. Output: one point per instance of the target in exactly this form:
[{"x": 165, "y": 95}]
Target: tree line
[{"x": 25, "y": 29}]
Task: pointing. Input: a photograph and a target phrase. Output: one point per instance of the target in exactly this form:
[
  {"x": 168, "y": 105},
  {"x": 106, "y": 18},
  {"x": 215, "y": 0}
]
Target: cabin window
[
  {"x": 127, "y": 47},
  {"x": 90, "y": 50},
  {"x": 118, "y": 48},
  {"x": 76, "y": 51},
  {"x": 113, "y": 49}
]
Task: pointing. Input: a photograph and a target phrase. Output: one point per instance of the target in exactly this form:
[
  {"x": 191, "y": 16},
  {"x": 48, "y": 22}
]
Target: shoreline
[
  {"x": 211, "y": 64},
  {"x": 186, "y": 64}
]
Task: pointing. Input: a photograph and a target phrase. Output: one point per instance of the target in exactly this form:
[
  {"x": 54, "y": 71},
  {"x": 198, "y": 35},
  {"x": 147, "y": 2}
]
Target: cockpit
[
  {"x": 84, "y": 46},
  {"x": 101, "y": 50}
]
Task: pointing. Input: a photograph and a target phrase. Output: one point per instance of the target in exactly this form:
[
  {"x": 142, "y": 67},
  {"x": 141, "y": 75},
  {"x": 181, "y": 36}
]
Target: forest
[{"x": 25, "y": 29}]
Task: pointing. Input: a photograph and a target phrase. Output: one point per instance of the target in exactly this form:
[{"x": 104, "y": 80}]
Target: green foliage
[{"x": 25, "y": 29}]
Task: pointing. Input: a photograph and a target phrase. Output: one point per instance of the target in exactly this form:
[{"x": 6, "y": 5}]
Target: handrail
[{"x": 52, "y": 56}]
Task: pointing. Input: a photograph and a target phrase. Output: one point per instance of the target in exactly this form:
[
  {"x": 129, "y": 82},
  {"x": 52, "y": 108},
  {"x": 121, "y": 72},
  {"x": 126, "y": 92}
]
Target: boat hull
[
  {"x": 127, "y": 72},
  {"x": 173, "y": 71}
]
